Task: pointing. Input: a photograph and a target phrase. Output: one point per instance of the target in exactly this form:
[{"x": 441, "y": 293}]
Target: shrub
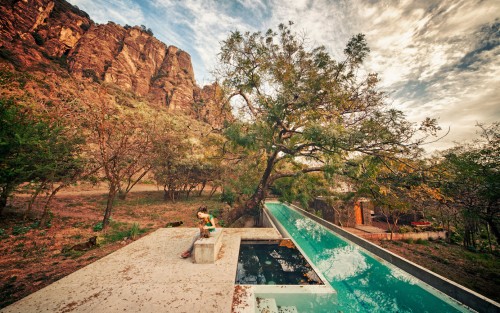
[
  {"x": 228, "y": 196},
  {"x": 405, "y": 229},
  {"x": 216, "y": 212},
  {"x": 9, "y": 56},
  {"x": 222, "y": 223},
  {"x": 85, "y": 27},
  {"x": 455, "y": 237},
  {"x": 134, "y": 231},
  {"x": 421, "y": 241},
  {"x": 90, "y": 73},
  {"x": 20, "y": 230},
  {"x": 98, "y": 227}
]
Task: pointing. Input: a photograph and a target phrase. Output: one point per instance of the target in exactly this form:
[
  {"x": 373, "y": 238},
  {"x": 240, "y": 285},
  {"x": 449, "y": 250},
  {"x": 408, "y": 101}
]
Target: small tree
[
  {"x": 121, "y": 141},
  {"x": 38, "y": 150},
  {"x": 473, "y": 181},
  {"x": 392, "y": 184}
]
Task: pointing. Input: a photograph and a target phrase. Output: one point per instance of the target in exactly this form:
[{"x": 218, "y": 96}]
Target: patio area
[{"x": 149, "y": 276}]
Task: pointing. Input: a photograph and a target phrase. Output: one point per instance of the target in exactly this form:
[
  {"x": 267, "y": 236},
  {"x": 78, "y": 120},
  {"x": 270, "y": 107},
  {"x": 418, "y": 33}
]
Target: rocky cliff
[{"x": 37, "y": 33}]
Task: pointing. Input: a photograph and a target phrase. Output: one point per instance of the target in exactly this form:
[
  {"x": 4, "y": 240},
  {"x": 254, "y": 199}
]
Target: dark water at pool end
[{"x": 276, "y": 262}]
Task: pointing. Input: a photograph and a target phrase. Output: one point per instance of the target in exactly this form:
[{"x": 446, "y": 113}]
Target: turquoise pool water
[{"x": 363, "y": 283}]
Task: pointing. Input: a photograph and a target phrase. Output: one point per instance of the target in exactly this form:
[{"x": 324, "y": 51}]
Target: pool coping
[
  {"x": 286, "y": 235},
  {"x": 452, "y": 289},
  {"x": 246, "y": 299},
  {"x": 251, "y": 292}
]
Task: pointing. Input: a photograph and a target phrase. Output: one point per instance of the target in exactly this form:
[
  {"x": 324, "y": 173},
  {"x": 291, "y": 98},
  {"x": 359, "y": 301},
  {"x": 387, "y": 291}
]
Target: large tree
[{"x": 302, "y": 111}]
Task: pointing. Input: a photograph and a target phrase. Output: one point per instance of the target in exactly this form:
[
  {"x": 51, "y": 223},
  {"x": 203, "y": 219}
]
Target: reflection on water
[
  {"x": 363, "y": 283},
  {"x": 403, "y": 276},
  {"x": 341, "y": 263}
]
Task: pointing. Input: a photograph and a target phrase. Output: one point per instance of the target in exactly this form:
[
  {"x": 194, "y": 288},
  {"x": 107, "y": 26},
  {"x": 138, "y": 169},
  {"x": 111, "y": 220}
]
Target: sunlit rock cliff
[{"x": 36, "y": 35}]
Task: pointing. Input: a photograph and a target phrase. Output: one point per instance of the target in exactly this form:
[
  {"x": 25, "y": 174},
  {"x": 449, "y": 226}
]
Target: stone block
[{"x": 206, "y": 249}]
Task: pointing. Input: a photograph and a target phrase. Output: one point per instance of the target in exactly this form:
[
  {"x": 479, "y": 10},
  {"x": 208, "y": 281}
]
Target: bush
[
  {"x": 134, "y": 231},
  {"x": 455, "y": 237},
  {"x": 20, "y": 230},
  {"x": 85, "y": 27},
  {"x": 405, "y": 229},
  {"x": 222, "y": 223},
  {"x": 216, "y": 212},
  {"x": 228, "y": 196},
  {"x": 9, "y": 56},
  {"x": 90, "y": 73},
  {"x": 422, "y": 242},
  {"x": 98, "y": 227}
]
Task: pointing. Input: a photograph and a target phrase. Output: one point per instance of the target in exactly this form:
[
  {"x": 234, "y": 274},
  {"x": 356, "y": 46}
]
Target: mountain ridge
[{"x": 36, "y": 34}]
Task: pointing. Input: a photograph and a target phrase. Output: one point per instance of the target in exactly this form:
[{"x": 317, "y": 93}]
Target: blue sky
[{"x": 436, "y": 58}]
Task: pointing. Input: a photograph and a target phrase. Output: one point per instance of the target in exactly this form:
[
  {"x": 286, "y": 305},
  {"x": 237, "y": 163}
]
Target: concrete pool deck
[{"x": 149, "y": 276}]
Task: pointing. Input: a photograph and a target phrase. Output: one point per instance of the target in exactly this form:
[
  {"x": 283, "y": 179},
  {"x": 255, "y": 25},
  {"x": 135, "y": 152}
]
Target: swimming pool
[{"x": 364, "y": 283}]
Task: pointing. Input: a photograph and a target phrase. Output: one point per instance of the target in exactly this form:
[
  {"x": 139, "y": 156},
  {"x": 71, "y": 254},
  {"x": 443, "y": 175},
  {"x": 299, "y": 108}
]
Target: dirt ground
[
  {"x": 33, "y": 258},
  {"x": 477, "y": 271}
]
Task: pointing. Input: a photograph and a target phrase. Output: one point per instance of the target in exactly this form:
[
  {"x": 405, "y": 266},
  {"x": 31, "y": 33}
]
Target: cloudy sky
[{"x": 436, "y": 58}]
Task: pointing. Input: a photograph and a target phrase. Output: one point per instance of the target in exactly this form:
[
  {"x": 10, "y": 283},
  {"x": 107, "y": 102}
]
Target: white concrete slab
[{"x": 148, "y": 275}]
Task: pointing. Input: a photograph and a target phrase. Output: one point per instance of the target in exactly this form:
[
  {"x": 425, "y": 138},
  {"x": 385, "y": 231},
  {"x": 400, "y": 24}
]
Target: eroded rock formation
[{"x": 37, "y": 33}]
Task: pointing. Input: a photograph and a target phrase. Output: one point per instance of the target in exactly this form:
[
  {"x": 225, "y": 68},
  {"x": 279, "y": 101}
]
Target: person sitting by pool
[{"x": 208, "y": 223}]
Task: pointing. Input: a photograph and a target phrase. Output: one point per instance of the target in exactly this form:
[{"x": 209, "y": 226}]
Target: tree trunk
[
  {"x": 253, "y": 205},
  {"x": 388, "y": 224},
  {"x": 32, "y": 200},
  {"x": 4, "y": 195},
  {"x": 212, "y": 192},
  {"x": 494, "y": 230},
  {"x": 188, "y": 192},
  {"x": 45, "y": 215},
  {"x": 113, "y": 188},
  {"x": 203, "y": 184},
  {"x": 165, "y": 192},
  {"x": 122, "y": 193},
  {"x": 489, "y": 237}
]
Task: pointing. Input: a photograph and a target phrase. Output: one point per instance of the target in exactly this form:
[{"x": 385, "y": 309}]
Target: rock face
[
  {"x": 35, "y": 29},
  {"x": 35, "y": 33}
]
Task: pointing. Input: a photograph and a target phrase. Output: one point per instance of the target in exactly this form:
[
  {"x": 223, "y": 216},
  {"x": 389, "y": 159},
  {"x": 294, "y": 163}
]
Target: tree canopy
[{"x": 301, "y": 111}]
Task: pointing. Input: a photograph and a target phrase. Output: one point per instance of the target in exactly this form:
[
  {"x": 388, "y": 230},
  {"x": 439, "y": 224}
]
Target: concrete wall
[
  {"x": 343, "y": 212},
  {"x": 466, "y": 296},
  {"x": 426, "y": 235}
]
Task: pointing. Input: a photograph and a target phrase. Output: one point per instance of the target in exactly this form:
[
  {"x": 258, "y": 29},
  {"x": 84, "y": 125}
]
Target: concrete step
[
  {"x": 288, "y": 309},
  {"x": 266, "y": 305}
]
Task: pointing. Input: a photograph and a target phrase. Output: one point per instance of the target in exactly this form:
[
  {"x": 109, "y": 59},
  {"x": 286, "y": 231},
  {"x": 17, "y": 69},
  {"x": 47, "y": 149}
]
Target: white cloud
[{"x": 118, "y": 11}]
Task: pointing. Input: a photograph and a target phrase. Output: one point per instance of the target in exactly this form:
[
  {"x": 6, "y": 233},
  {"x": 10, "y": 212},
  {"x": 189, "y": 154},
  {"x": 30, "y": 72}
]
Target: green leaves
[
  {"x": 304, "y": 111},
  {"x": 357, "y": 49},
  {"x": 34, "y": 149}
]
